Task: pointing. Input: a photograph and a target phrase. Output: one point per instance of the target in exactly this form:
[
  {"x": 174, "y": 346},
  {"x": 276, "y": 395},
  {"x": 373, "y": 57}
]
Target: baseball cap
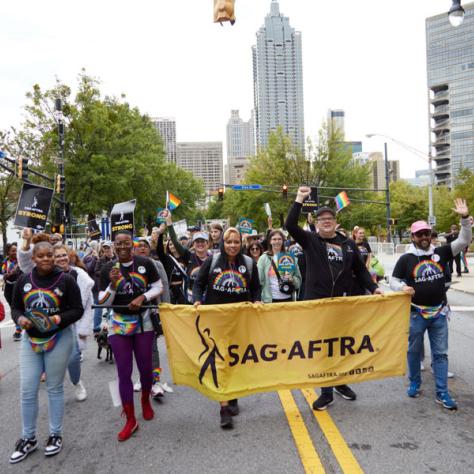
[
  {"x": 325, "y": 209},
  {"x": 200, "y": 235},
  {"x": 419, "y": 225},
  {"x": 107, "y": 243},
  {"x": 194, "y": 228}
]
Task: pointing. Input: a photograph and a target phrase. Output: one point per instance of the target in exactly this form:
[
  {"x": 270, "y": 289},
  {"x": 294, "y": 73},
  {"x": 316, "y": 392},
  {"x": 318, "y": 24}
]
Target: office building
[
  {"x": 167, "y": 129},
  {"x": 422, "y": 178},
  {"x": 240, "y": 136},
  {"x": 450, "y": 72},
  {"x": 336, "y": 118},
  {"x": 278, "y": 79},
  {"x": 235, "y": 169},
  {"x": 204, "y": 160},
  {"x": 376, "y": 159}
]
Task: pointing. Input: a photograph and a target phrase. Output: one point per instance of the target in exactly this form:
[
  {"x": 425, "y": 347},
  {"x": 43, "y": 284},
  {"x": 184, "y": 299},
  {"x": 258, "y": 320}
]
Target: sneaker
[
  {"x": 226, "y": 418},
  {"x": 16, "y": 336},
  {"x": 53, "y": 445},
  {"x": 23, "y": 447},
  {"x": 345, "y": 392},
  {"x": 137, "y": 387},
  {"x": 422, "y": 366},
  {"x": 157, "y": 390},
  {"x": 166, "y": 387},
  {"x": 324, "y": 400},
  {"x": 81, "y": 358},
  {"x": 234, "y": 407},
  {"x": 80, "y": 391},
  {"x": 445, "y": 400},
  {"x": 413, "y": 390},
  {"x": 466, "y": 270}
]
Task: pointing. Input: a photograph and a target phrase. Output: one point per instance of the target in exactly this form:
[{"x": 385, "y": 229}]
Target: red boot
[
  {"x": 131, "y": 425},
  {"x": 147, "y": 410}
]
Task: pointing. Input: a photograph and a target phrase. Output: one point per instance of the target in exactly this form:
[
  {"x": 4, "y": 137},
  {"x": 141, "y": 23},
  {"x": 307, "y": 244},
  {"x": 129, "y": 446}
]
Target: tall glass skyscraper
[
  {"x": 278, "y": 79},
  {"x": 450, "y": 66}
]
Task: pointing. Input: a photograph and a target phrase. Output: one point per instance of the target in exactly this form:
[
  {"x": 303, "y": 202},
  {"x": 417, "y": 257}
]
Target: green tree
[{"x": 113, "y": 153}]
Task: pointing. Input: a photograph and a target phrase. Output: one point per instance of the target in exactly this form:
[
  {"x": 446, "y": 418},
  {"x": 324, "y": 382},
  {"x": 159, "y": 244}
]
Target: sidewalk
[{"x": 464, "y": 283}]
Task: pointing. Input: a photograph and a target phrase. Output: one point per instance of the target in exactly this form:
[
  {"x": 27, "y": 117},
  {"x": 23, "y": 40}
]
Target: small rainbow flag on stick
[
  {"x": 172, "y": 202},
  {"x": 342, "y": 200}
]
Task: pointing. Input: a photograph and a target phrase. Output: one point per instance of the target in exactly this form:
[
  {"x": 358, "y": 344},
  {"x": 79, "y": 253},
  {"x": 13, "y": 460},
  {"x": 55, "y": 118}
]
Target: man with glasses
[
  {"x": 331, "y": 261},
  {"x": 421, "y": 273}
]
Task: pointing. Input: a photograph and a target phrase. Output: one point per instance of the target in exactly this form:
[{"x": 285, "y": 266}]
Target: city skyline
[{"x": 353, "y": 59}]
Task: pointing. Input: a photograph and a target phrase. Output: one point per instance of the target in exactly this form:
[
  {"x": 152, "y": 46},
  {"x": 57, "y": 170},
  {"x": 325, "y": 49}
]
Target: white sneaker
[
  {"x": 157, "y": 390},
  {"x": 450, "y": 375},
  {"x": 166, "y": 387},
  {"x": 137, "y": 387},
  {"x": 81, "y": 392},
  {"x": 422, "y": 367}
]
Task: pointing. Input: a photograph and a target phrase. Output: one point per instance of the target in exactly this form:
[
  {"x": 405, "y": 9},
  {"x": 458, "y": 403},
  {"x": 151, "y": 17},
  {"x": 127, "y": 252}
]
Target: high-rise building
[
  {"x": 378, "y": 170},
  {"x": 167, "y": 129},
  {"x": 336, "y": 121},
  {"x": 240, "y": 136},
  {"x": 204, "y": 160},
  {"x": 450, "y": 68},
  {"x": 235, "y": 169},
  {"x": 278, "y": 79}
]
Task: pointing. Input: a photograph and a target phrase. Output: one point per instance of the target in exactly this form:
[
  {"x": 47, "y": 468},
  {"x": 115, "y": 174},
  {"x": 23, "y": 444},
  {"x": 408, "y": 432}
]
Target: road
[{"x": 383, "y": 431}]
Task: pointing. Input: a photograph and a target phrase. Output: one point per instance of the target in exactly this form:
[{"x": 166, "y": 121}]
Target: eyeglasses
[
  {"x": 325, "y": 219},
  {"x": 423, "y": 233},
  {"x": 252, "y": 249}
]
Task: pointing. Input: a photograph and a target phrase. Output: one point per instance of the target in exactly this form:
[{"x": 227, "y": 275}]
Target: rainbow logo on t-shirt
[
  {"x": 231, "y": 281},
  {"x": 40, "y": 299},
  {"x": 427, "y": 269}
]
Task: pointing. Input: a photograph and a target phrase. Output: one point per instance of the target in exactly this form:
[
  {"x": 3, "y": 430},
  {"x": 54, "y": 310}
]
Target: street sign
[
  {"x": 432, "y": 220},
  {"x": 246, "y": 187}
]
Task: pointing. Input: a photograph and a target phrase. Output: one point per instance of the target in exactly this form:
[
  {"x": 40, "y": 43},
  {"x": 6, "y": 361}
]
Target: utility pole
[
  {"x": 60, "y": 121},
  {"x": 387, "y": 193}
]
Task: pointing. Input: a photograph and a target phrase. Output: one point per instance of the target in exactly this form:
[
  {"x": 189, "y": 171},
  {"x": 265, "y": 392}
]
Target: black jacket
[{"x": 319, "y": 280}]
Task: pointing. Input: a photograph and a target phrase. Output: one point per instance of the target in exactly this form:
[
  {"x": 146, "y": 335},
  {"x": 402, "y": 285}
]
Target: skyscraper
[
  {"x": 204, "y": 160},
  {"x": 278, "y": 79},
  {"x": 240, "y": 136},
  {"x": 167, "y": 129},
  {"x": 450, "y": 67},
  {"x": 336, "y": 121}
]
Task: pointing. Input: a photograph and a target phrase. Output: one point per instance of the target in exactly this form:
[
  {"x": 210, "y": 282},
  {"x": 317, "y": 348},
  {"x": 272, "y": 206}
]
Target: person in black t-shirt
[
  {"x": 226, "y": 277},
  {"x": 451, "y": 237},
  {"x": 421, "y": 273},
  {"x": 127, "y": 285},
  {"x": 46, "y": 302},
  {"x": 358, "y": 235},
  {"x": 331, "y": 261}
]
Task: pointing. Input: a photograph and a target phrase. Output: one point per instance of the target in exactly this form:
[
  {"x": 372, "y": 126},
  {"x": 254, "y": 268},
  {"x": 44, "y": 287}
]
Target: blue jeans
[
  {"x": 32, "y": 365},
  {"x": 97, "y": 314},
  {"x": 74, "y": 365},
  {"x": 438, "y": 336}
]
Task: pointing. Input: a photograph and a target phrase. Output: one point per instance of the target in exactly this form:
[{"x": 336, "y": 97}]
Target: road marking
[
  {"x": 308, "y": 454},
  {"x": 460, "y": 309},
  {"x": 339, "y": 447}
]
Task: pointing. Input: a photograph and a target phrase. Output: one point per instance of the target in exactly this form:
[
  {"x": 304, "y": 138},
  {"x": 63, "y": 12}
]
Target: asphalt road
[{"x": 383, "y": 431}]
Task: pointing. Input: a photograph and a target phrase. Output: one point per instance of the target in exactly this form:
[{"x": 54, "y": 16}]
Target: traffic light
[
  {"x": 61, "y": 228},
  {"x": 22, "y": 168},
  {"x": 60, "y": 184},
  {"x": 54, "y": 229},
  {"x": 220, "y": 194},
  {"x": 393, "y": 221},
  {"x": 284, "y": 191}
]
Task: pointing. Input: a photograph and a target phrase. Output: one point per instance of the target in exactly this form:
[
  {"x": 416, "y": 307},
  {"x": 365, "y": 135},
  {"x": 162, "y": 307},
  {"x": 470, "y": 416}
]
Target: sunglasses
[
  {"x": 423, "y": 233},
  {"x": 254, "y": 248}
]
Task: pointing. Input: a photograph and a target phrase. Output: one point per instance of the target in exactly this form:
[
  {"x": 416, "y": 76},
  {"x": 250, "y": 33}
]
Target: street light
[
  {"x": 427, "y": 157},
  {"x": 456, "y": 13}
]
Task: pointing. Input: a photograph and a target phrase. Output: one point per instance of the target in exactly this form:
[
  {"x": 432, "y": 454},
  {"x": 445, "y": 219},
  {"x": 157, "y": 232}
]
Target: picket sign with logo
[
  {"x": 233, "y": 350},
  {"x": 33, "y": 206},
  {"x": 122, "y": 218},
  {"x": 245, "y": 225}
]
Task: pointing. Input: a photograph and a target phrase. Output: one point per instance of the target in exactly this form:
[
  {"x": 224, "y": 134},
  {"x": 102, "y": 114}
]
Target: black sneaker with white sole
[
  {"x": 53, "y": 445},
  {"x": 324, "y": 400},
  {"x": 345, "y": 392},
  {"x": 23, "y": 447}
]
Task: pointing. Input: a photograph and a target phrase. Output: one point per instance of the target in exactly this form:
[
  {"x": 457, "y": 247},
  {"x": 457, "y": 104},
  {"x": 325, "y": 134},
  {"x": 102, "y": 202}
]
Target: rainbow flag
[
  {"x": 172, "y": 202},
  {"x": 342, "y": 200}
]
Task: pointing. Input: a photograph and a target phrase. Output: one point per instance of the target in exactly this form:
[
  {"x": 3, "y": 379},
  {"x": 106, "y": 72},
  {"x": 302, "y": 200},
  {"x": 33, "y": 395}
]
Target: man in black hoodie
[{"x": 331, "y": 262}]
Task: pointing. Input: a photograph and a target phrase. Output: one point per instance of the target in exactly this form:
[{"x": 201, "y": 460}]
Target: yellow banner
[{"x": 229, "y": 351}]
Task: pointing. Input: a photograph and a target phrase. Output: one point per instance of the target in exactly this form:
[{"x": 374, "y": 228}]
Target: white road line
[{"x": 459, "y": 309}]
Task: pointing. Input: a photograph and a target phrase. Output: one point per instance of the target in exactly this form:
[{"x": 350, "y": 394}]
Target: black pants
[{"x": 456, "y": 259}]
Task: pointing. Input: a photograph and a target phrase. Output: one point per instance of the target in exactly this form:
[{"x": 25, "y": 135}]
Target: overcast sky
[{"x": 169, "y": 58}]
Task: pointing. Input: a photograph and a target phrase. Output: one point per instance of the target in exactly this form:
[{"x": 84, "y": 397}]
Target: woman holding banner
[
  {"x": 227, "y": 277},
  {"x": 46, "y": 302},
  {"x": 126, "y": 285},
  {"x": 280, "y": 275}
]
